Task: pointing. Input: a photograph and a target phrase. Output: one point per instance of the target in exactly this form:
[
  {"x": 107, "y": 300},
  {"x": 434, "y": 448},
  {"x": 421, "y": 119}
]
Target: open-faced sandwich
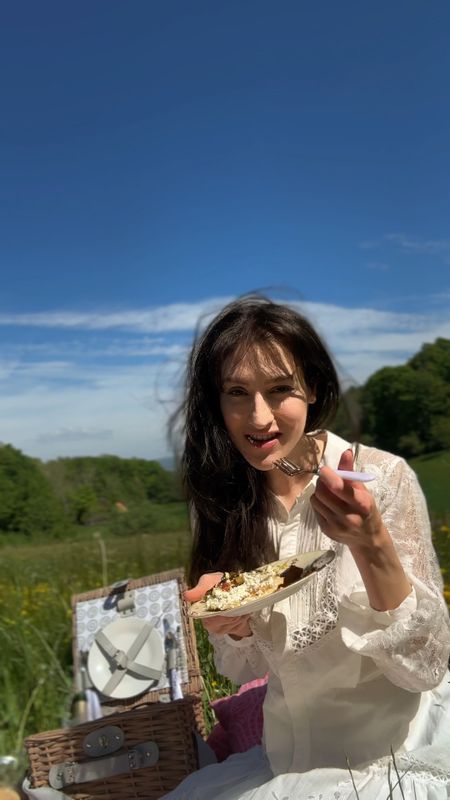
[{"x": 236, "y": 588}]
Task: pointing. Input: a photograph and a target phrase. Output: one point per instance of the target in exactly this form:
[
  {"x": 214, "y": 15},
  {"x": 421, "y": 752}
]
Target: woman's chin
[
  {"x": 263, "y": 467},
  {"x": 262, "y": 464}
]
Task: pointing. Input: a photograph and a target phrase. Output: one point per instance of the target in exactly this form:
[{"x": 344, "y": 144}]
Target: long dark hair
[{"x": 229, "y": 499}]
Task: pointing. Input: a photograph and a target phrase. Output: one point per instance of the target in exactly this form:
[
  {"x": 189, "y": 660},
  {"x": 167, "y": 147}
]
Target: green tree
[
  {"x": 83, "y": 502},
  {"x": 347, "y": 422},
  {"x": 27, "y": 502},
  {"x": 440, "y": 430},
  {"x": 87, "y": 485},
  {"x": 434, "y": 358},
  {"x": 406, "y": 409}
]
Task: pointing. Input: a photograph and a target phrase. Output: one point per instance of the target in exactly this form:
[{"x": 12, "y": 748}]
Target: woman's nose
[{"x": 261, "y": 413}]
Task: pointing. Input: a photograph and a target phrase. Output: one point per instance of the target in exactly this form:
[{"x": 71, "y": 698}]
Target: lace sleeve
[
  {"x": 412, "y": 648},
  {"x": 240, "y": 660}
]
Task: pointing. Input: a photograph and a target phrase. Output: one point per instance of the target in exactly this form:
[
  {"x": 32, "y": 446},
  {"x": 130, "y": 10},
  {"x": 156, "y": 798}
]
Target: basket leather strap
[
  {"x": 67, "y": 773},
  {"x": 124, "y": 662}
]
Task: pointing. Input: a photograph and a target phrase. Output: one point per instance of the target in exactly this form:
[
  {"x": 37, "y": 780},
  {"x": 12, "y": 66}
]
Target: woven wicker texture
[{"x": 170, "y": 725}]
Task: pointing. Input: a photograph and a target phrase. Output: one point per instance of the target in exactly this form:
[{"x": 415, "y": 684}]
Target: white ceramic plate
[
  {"x": 317, "y": 560},
  {"x": 122, "y": 633}
]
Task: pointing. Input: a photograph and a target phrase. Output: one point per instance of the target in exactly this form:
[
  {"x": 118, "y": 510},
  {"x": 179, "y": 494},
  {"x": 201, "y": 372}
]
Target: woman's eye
[
  {"x": 235, "y": 392},
  {"x": 282, "y": 389}
]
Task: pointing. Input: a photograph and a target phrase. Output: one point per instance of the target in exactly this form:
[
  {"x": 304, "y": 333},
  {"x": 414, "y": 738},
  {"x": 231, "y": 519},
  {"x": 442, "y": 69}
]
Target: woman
[{"x": 358, "y": 688}]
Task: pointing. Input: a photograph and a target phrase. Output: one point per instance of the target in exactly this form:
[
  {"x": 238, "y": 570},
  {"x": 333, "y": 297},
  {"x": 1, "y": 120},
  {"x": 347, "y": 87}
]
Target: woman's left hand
[
  {"x": 346, "y": 510},
  {"x": 347, "y": 513}
]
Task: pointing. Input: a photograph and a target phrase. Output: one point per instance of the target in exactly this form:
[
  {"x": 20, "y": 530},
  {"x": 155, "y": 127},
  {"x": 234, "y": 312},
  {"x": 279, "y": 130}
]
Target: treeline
[
  {"x": 55, "y": 498},
  {"x": 91, "y": 485},
  {"x": 405, "y": 409}
]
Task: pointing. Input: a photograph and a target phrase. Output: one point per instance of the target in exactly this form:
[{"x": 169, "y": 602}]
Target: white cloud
[
  {"x": 173, "y": 317},
  {"x": 435, "y": 247},
  {"x": 185, "y": 317},
  {"x": 440, "y": 248},
  {"x": 121, "y": 413},
  {"x": 361, "y": 323},
  {"x": 440, "y": 297},
  {"x": 138, "y": 346},
  {"x": 115, "y": 393},
  {"x": 73, "y": 435}
]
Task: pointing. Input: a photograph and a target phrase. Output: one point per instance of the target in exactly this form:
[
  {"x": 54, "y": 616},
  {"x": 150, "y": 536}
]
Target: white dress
[{"x": 348, "y": 686}]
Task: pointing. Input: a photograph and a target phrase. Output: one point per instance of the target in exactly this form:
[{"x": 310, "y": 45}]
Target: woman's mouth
[{"x": 263, "y": 441}]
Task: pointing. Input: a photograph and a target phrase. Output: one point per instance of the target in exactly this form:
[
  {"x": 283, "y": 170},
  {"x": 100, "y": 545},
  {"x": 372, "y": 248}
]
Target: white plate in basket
[
  {"x": 122, "y": 634},
  {"x": 315, "y": 561}
]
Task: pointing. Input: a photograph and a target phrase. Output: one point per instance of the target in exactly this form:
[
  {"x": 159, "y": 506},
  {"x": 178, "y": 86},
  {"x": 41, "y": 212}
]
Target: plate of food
[{"x": 239, "y": 593}]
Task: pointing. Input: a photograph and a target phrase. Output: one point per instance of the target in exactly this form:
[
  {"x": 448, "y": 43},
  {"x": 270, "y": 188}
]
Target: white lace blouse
[{"x": 348, "y": 684}]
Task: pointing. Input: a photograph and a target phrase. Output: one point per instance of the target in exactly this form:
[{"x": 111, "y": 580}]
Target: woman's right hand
[{"x": 236, "y": 627}]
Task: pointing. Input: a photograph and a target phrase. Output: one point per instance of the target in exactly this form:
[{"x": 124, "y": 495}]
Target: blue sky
[{"x": 158, "y": 159}]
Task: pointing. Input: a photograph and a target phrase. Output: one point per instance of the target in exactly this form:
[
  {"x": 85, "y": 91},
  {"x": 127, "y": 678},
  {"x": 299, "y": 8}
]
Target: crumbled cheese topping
[{"x": 235, "y": 588}]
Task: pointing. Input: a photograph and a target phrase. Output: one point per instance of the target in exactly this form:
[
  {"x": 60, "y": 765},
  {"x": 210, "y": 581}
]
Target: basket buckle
[{"x": 103, "y": 741}]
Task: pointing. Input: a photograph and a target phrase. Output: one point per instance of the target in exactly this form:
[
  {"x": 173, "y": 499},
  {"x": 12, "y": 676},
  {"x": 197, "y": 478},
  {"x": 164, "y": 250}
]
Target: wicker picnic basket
[
  {"x": 169, "y": 726},
  {"x": 144, "y": 745}
]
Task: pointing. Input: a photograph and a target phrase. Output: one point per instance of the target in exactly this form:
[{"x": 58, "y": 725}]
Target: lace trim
[
  {"x": 406, "y": 768},
  {"x": 321, "y": 592},
  {"x": 409, "y": 764},
  {"x": 324, "y": 620},
  {"x": 426, "y": 773},
  {"x": 266, "y": 647}
]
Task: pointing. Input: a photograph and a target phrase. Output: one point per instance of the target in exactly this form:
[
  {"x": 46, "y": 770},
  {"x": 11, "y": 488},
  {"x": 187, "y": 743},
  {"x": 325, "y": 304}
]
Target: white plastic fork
[{"x": 289, "y": 468}]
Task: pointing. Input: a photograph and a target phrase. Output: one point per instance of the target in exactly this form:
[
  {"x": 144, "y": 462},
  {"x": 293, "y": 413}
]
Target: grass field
[
  {"x": 434, "y": 475},
  {"x": 38, "y": 579}
]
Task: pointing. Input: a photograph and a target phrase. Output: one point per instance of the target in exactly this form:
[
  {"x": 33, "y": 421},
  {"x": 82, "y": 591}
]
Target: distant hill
[
  {"x": 39, "y": 498},
  {"x": 167, "y": 463},
  {"x": 92, "y": 485}
]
